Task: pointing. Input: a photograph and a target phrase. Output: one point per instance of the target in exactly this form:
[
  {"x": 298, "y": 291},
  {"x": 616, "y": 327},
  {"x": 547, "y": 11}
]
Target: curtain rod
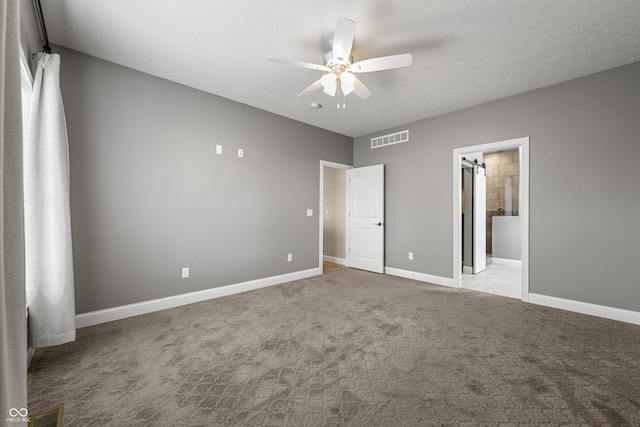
[{"x": 43, "y": 29}]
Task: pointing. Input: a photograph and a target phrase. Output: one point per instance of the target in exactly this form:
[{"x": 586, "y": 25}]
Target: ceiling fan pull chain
[{"x": 344, "y": 100}]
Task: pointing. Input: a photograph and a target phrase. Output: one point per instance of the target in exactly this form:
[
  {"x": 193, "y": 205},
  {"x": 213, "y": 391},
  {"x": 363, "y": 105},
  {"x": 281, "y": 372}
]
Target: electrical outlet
[
  {"x": 411, "y": 256},
  {"x": 218, "y": 149},
  {"x": 240, "y": 152},
  {"x": 290, "y": 257},
  {"x": 185, "y": 272}
]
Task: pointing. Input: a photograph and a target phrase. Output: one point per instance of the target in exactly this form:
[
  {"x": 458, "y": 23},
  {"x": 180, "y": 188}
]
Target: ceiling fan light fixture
[
  {"x": 329, "y": 83},
  {"x": 331, "y": 91},
  {"x": 346, "y": 90},
  {"x": 347, "y": 82},
  {"x": 340, "y": 68}
]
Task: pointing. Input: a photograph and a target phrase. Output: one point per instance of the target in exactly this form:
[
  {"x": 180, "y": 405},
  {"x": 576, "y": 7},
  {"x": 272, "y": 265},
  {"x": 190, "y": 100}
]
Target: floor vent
[{"x": 394, "y": 138}]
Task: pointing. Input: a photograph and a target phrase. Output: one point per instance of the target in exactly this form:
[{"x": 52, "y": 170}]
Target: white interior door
[
  {"x": 479, "y": 219},
  {"x": 366, "y": 218}
]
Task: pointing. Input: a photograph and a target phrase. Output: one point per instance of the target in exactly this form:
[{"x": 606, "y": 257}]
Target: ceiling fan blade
[
  {"x": 382, "y": 63},
  {"x": 343, "y": 39},
  {"x": 317, "y": 85},
  {"x": 299, "y": 64},
  {"x": 360, "y": 90}
]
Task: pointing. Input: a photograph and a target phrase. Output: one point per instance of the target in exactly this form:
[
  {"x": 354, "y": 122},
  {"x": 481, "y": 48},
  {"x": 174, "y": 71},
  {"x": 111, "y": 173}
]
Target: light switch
[
  {"x": 309, "y": 212},
  {"x": 411, "y": 255},
  {"x": 218, "y": 149}
]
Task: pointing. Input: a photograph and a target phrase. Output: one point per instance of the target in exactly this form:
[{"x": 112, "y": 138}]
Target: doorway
[
  {"x": 357, "y": 209},
  {"x": 333, "y": 215},
  {"x": 503, "y": 268}
]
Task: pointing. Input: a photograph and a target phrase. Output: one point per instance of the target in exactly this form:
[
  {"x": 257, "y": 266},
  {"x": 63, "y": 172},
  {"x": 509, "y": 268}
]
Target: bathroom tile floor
[{"x": 499, "y": 279}]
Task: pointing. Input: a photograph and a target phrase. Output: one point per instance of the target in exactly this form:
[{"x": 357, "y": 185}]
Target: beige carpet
[{"x": 346, "y": 348}]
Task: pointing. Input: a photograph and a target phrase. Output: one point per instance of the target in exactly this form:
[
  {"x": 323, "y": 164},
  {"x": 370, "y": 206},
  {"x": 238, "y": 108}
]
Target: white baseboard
[
  {"x": 612, "y": 313},
  {"x": 506, "y": 261},
  {"x": 116, "y": 313},
  {"x": 334, "y": 260},
  {"x": 423, "y": 277},
  {"x": 467, "y": 270}
]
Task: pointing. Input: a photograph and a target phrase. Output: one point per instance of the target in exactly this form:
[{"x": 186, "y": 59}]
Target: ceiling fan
[{"x": 340, "y": 68}]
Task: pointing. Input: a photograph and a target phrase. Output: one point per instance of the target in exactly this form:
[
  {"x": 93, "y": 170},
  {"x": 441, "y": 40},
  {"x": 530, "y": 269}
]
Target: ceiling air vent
[{"x": 394, "y": 138}]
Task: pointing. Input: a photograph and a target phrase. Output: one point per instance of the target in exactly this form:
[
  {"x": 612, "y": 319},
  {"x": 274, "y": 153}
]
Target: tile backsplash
[{"x": 503, "y": 182}]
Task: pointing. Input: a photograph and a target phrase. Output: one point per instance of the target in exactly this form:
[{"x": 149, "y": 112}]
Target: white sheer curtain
[{"x": 48, "y": 256}]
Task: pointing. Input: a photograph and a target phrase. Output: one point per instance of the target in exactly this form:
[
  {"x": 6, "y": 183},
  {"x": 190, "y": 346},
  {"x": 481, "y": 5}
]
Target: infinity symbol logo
[{"x": 13, "y": 412}]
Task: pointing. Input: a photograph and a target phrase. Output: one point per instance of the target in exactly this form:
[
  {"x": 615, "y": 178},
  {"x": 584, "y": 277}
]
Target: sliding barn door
[{"x": 479, "y": 219}]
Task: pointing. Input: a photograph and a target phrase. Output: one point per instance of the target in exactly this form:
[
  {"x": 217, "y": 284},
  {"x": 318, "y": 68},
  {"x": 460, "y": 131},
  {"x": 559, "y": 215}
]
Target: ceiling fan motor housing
[{"x": 337, "y": 65}]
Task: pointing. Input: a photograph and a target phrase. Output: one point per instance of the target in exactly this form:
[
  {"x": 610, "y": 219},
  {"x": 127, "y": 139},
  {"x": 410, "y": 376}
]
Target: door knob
[{"x": 379, "y": 224}]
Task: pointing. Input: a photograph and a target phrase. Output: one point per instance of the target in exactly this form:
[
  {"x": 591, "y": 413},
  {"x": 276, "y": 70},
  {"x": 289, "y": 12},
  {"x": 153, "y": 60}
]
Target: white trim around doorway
[{"x": 523, "y": 144}]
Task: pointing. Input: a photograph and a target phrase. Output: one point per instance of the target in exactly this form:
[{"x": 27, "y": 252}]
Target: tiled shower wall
[{"x": 503, "y": 180}]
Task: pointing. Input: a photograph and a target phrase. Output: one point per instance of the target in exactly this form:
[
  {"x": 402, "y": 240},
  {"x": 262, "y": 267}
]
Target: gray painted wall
[
  {"x": 149, "y": 195},
  {"x": 584, "y": 181}
]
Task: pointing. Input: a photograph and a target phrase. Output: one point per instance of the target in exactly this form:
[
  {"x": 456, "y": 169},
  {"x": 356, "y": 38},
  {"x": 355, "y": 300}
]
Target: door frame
[
  {"x": 334, "y": 165},
  {"x": 458, "y": 153}
]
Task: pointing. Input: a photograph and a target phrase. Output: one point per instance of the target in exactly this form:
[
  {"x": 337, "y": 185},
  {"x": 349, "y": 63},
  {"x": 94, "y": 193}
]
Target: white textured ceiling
[{"x": 465, "y": 52}]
